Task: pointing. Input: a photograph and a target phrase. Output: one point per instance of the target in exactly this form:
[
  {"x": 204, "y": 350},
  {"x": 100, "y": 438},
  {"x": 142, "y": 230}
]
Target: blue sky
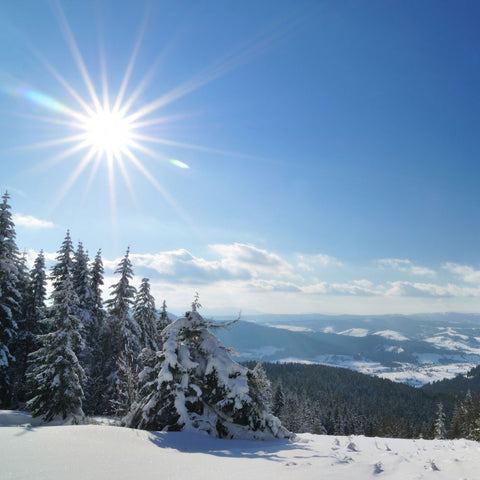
[{"x": 332, "y": 148}]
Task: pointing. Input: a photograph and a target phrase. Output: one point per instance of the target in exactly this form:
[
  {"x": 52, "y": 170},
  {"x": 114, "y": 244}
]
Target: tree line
[
  {"x": 75, "y": 354},
  {"x": 93, "y": 344}
]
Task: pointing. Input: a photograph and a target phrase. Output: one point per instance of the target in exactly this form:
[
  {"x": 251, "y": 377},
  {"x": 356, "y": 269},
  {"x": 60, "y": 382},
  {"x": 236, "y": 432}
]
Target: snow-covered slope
[
  {"x": 414, "y": 349},
  {"x": 106, "y": 452}
]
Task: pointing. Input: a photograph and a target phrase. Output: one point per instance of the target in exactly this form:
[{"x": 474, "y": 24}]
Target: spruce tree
[
  {"x": 261, "y": 388},
  {"x": 278, "y": 400},
  {"x": 10, "y": 298},
  {"x": 193, "y": 384},
  {"x": 32, "y": 286},
  {"x": 56, "y": 376},
  {"x": 145, "y": 314},
  {"x": 123, "y": 347},
  {"x": 64, "y": 267},
  {"x": 440, "y": 430},
  {"x": 163, "y": 321},
  {"x": 82, "y": 287},
  {"x": 94, "y": 398}
]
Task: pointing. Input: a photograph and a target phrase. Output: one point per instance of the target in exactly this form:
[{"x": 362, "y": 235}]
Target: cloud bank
[
  {"x": 28, "y": 221},
  {"x": 248, "y": 277}
]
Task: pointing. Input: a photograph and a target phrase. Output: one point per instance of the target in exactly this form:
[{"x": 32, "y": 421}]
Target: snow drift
[{"x": 99, "y": 451}]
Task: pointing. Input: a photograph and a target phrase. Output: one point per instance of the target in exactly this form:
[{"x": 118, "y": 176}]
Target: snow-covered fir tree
[
  {"x": 32, "y": 286},
  {"x": 193, "y": 384},
  {"x": 440, "y": 429},
  {"x": 465, "y": 416},
  {"x": 123, "y": 347},
  {"x": 278, "y": 400},
  {"x": 163, "y": 321},
  {"x": 96, "y": 284},
  {"x": 64, "y": 267},
  {"x": 9, "y": 297},
  {"x": 261, "y": 391},
  {"x": 82, "y": 286},
  {"x": 94, "y": 398},
  {"x": 145, "y": 314},
  {"x": 19, "y": 345},
  {"x": 56, "y": 376}
]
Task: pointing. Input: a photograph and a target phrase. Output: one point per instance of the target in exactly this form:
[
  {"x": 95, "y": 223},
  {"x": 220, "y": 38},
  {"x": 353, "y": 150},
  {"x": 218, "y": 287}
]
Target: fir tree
[
  {"x": 440, "y": 430},
  {"x": 193, "y": 384},
  {"x": 56, "y": 376},
  {"x": 82, "y": 287},
  {"x": 94, "y": 399},
  {"x": 123, "y": 335},
  {"x": 145, "y": 314},
  {"x": 261, "y": 388},
  {"x": 96, "y": 283},
  {"x": 163, "y": 322},
  {"x": 38, "y": 294},
  {"x": 9, "y": 297},
  {"x": 24, "y": 341},
  {"x": 465, "y": 417},
  {"x": 278, "y": 400},
  {"x": 64, "y": 267}
]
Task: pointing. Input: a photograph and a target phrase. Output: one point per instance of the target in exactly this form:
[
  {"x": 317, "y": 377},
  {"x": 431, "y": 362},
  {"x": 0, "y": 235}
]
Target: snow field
[{"x": 99, "y": 451}]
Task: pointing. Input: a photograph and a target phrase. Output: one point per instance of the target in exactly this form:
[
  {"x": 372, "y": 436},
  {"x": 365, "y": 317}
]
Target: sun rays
[{"x": 115, "y": 130}]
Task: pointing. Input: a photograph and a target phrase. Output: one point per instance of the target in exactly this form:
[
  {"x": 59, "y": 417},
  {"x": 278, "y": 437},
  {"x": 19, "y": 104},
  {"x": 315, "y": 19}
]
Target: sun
[
  {"x": 101, "y": 128},
  {"x": 108, "y": 133}
]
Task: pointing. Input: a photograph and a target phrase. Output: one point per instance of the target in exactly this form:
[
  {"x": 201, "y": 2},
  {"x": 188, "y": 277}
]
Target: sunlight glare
[{"x": 108, "y": 132}]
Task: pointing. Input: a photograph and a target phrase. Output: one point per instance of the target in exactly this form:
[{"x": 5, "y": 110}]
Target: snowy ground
[{"x": 29, "y": 451}]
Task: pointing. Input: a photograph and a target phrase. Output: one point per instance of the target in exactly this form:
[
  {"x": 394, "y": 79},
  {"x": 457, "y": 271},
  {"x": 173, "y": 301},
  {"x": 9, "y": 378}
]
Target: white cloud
[
  {"x": 183, "y": 267},
  {"x": 414, "y": 289},
  {"x": 243, "y": 276},
  {"x": 241, "y": 256},
  {"x": 405, "y": 265},
  {"x": 273, "y": 286},
  {"x": 355, "y": 288},
  {"x": 28, "y": 221},
  {"x": 468, "y": 274},
  {"x": 236, "y": 262},
  {"x": 310, "y": 262}
]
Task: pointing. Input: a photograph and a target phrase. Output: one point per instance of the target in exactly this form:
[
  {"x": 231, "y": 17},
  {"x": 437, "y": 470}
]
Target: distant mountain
[{"x": 413, "y": 349}]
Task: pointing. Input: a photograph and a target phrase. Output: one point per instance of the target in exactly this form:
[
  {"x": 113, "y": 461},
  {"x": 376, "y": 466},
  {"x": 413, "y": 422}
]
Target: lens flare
[
  {"x": 114, "y": 130},
  {"x": 178, "y": 163}
]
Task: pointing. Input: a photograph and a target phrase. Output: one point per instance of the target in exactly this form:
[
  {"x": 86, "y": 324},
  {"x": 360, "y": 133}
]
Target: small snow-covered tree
[
  {"x": 32, "y": 286},
  {"x": 123, "y": 335},
  {"x": 440, "y": 430},
  {"x": 56, "y": 375},
  {"x": 193, "y": 384},
  {"x": 96, "y": 380},
  {"x": 82, "y": 286},
  {"x": 163, "y": 321},
  {"x": 38, "y": 294},
  {"x": 261, "y": 388},
  {"x": 10, "y": 297},
  {"x": 278, "y": 400},
  {"x": 145, "y": 314},
  {"x": 64, "y": 267}
]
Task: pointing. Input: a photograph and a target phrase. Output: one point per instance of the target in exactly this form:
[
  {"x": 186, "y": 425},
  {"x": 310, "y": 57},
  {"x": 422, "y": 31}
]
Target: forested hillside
[
  {"x": 459, "y": 385},
  {"x": 318, "y": 398}
]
